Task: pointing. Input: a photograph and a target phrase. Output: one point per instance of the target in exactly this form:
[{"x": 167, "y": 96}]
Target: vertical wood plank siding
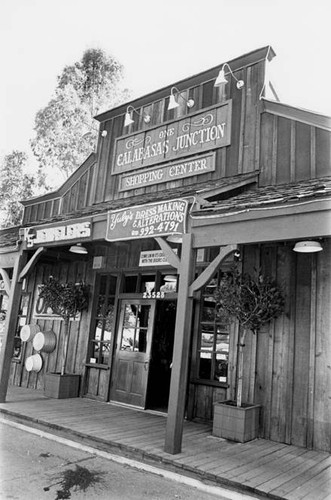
[
  {"x": 293, "y": 353},
  {"x": 287, "y": 366},
  {"x": 78, "y": 329},
  {"x": 292, "y": 151}
]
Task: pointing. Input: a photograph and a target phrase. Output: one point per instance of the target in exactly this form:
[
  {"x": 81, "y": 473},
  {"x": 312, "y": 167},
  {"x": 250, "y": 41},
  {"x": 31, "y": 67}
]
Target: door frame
[{"x": 140, "y": 357}]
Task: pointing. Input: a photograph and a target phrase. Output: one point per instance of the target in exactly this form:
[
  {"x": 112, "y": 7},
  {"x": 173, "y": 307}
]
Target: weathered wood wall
[
  {"x": 288, "y": 364},
  {"x": 71, "y": 272},
  {"x": 291, "y": 376},
  {"x": 239, "y": 157},
  {"x": 292, "y": 151}
]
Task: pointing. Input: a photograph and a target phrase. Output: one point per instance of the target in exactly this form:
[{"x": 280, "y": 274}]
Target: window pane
[
  {"x": 147, "y": 284},
  {"x": 130, "y": 284},
  {"x": 207, "y": 339},
  {"x": 144, "y": 315},
  {"x": 95, "y": 349},
  {"x": 141, "y": 340},
  {"x": 127, "y": 341},
  {"x": 221, "y": 368},
  {"x": 17, "y": 347},
  {"x": 112, "y": 285},
  {"x": 205, "y": 364},
  {"x": 214, "y": 337},
  {"x": 24, "y": 305},
  {"x": 208, "y": 314},
  {"x": 103, "y": 285},
  {"x": 100, "y": 305},
  {"x": 105, "y": 352}
]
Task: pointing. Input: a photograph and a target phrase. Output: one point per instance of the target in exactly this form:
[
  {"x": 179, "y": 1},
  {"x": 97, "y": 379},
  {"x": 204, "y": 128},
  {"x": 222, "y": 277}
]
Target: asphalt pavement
[{"x": 35, "y": 465}]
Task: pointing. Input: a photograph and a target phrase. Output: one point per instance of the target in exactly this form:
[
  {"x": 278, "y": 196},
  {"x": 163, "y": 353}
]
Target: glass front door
[{"x": 133, "y": 352}]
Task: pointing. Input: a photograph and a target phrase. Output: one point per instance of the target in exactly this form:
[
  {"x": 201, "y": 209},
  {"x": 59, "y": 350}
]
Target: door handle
[{"x": 146, "y": 365}]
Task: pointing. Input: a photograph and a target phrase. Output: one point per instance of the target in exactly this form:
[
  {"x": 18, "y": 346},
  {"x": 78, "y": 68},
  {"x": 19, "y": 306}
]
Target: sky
[{"x": 158, "y": 43}]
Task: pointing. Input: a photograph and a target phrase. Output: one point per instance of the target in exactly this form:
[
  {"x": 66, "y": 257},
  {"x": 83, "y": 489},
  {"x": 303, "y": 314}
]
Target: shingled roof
[
  {"x": 270, "y": 196},
  {"x": 181, "y": 191}
]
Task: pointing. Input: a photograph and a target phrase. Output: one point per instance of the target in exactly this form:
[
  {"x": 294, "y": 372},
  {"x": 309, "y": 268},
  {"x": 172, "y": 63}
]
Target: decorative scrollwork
[
  {"x": 204, "y": 120},
  {"x": 131, "y": 143}
]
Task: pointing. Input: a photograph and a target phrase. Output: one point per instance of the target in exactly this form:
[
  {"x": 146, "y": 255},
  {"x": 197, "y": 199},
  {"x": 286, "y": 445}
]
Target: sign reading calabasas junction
[
  {"x": 147, "y": 221},
  {"x": 191, "y": 135},
  {"x": 170, "y": 172}
]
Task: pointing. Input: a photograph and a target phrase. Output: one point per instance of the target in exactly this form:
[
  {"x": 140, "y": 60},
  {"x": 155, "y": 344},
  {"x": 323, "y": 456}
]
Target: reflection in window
[
  {"x": 213, "y": 338},
  {"x": 134, "y": 328},
  {"x": 100, "y": 343}
]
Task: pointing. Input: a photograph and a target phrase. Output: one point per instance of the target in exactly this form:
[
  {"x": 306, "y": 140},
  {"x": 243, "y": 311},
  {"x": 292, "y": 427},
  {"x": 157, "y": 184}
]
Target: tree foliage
[
  {"x": 65, "y": 299},
  {"x": 65, "y": 131},
  {"x": 15, "y": 185},
  {"x": 253, "y": 301}
]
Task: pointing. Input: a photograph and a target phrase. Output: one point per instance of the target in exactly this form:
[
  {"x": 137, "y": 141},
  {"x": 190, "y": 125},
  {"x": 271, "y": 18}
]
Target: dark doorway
[{"x": 161, "y": 358}]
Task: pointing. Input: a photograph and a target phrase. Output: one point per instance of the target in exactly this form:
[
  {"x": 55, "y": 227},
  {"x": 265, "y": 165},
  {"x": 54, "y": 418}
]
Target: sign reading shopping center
[
  {"x": 147, "y": 221},
  {"x": 191, "y": 135}
]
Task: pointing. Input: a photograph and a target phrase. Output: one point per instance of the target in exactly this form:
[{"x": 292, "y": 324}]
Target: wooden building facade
[{"x": 235, "y": 176}]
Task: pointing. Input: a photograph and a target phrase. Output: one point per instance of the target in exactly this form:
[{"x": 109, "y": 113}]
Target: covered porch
[{"x": 259, "y": 467}]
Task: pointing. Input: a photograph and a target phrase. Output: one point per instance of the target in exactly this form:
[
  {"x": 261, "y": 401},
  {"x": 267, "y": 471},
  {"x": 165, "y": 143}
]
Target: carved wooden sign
[
  {"x": 147, "y": 221},
  {"x": 170, "y": 172},
  {"x": 57, "y": 233},
  {"x": 186, "y": 136}
]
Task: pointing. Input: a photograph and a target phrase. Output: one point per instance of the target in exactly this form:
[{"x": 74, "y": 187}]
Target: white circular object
[
  {"x": 28, "y": 332},
  {"x": 44, "y": 341},
  {"x": 34, "y": 363}
]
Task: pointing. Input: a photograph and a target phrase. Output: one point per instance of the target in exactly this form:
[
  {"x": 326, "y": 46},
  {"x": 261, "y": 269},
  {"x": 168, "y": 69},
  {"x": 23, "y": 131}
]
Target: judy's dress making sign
[{"x": 147, "y": 221}]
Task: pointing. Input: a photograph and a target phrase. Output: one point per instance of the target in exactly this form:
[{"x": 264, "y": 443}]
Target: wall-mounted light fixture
[
  {"x": 175, "y": 238},
  {"x": 220, "y": 80},
  {"x": 129, "y": 113},
  {"x": 172, "y": 99},
  {"x": 78, "y": 248},
  {"x": 307, "y": 247},
  {"x": 104, "y": 133}
]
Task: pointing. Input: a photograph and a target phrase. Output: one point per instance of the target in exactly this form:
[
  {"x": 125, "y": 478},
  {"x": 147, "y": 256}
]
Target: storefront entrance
[{"x": 144, "y": 345}]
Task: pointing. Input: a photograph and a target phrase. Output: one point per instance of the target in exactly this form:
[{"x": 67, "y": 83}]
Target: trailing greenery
[
  {"x": 253, "y": 301},
  {"x": 66, "y": 300}
]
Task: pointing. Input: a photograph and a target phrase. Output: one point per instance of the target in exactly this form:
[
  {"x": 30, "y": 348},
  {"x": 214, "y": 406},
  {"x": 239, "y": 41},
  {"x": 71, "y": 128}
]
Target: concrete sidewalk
[{"x": 260, "y": 467}]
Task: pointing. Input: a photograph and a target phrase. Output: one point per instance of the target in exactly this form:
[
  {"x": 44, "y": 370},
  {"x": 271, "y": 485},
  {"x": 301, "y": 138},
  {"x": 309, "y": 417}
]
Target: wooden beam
[
  {"x": 32, "y": 262},
  {"x": 6, "y": 280},
  {"x": 205, "y": 276},
  {"x": 178, "y": 385},
  {"x": 7, "y": 348},
  {"x": 217, "y": 232},
  {"x": 172, "y": 258}
]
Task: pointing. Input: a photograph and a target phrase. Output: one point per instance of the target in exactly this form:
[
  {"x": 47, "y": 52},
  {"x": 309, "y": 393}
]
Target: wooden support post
[
  {"x": 10, "y": 325},
  {"x": 177, "y": 397}
]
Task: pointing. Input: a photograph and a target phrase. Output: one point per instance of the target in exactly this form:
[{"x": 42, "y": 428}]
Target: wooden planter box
[
  {"x": 61, "y": 386},
  {"x": 239, "y": 424}
]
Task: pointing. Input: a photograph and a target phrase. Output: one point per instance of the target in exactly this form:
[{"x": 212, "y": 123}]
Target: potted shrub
[
  {"x": 66, "y": 300},
  {"x": 253, "y": 301}
]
